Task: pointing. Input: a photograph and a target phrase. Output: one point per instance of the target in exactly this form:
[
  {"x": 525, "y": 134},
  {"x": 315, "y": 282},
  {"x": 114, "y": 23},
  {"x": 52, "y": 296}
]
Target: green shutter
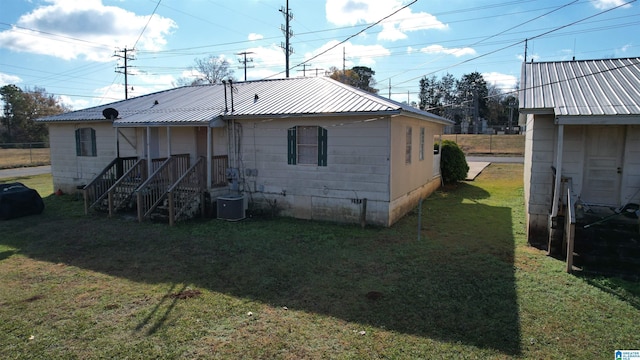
[
  {"x": 94, "y": 150},
  {"x": 322, "y": 146},
  {"x": 291, "y": 146},
  {"x": 78, "y": 146}
]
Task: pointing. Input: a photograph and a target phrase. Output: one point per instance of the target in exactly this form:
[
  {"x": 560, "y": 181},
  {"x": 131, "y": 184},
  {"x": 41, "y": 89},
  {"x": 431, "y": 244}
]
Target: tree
[
  {"x": 358, "y": 76},
  {"x": 208, "y": 70},
  {"x": 430, "y": 96},
  {"x": 472, "y": 91},
  {"x": 22, "y": 108}
]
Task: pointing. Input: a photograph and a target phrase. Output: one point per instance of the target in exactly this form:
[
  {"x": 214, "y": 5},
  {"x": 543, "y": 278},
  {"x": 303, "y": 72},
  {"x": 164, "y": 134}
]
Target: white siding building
[{"x": 310, "y": 148}]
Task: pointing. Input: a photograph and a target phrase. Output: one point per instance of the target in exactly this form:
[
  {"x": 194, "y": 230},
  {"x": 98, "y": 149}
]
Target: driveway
[{"x": 25, "y": 171}]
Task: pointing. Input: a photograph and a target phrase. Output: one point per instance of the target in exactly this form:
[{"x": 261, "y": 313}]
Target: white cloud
[
  {"x": 254, "y": 36},
  {"x": 608, "y": 4},
  {"x": 70, "y": 29},
  {"x": 439, "y": 49},
  {"x": 502, "y": 81},
  {"x": 74, "y": 104},
  {"x": 6, "y": 79},
  {"x": 352, "y": 12}
]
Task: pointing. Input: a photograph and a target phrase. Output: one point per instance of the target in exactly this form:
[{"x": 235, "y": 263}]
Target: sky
[{"x": 74, "y": 48}]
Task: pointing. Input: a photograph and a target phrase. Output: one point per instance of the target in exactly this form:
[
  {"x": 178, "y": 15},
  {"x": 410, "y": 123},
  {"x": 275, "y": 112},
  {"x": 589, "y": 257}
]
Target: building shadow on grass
[{"x": 455, "y": 285}]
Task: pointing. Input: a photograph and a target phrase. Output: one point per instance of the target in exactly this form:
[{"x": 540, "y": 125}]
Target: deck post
[
  {"x": 557, "y": 185},
  {"x": 209, "y": 154},
  {"x": 149, "y": 168}
]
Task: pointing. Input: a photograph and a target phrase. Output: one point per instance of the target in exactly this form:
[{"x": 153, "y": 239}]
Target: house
[
  {"x": 311, "y": 148},
  {"x": 582, "y": 144}
]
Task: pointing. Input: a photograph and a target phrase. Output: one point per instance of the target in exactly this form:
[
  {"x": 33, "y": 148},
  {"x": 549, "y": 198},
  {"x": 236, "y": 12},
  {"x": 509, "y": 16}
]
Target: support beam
[
  {"x": 209, "y": 156},
  {"x": 149, "y": 163},
  {"x": 117, "y": 142},
  {"x": 168, "y": 142},
  {"x": 557, "y": 186}
]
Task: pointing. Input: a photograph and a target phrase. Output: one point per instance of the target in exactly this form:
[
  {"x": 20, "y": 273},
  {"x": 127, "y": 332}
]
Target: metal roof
[
  {"x": 581, "y": 88},
  {"x": 294, "y": 97}
]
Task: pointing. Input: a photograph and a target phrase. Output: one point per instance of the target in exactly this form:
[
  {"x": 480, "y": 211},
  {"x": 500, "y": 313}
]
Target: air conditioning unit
[{"x": 231, "y": 207}]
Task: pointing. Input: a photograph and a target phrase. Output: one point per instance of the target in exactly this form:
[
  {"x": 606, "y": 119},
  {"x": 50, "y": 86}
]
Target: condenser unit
[{"x": 231, "y": 207}]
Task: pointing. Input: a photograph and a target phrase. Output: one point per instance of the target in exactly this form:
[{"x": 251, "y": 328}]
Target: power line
[
  {"x": 521, "y": 41},
  {"x": 147, "y": 24}
]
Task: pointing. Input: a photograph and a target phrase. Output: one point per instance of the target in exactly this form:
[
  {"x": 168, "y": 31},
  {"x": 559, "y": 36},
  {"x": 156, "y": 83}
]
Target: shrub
[{"x": 453, "y": 164}]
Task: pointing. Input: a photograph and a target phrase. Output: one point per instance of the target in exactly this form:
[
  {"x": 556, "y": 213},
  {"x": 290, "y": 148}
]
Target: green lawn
[{"x": 75, "y": 286}]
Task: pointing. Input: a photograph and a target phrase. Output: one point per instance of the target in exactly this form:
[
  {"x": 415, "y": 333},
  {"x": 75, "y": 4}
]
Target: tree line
[
  {"x": 467, "y": 99},
  {"x": 20, "y": 110}
]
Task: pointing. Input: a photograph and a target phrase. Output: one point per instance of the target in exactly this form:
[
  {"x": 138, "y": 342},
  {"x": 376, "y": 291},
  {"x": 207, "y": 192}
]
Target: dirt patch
[
  {"x": 33, "y": 298},
  {"x": 186, "y": 294}
]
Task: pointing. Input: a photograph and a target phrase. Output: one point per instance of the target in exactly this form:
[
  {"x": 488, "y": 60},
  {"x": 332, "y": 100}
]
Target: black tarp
[{"x": 17, "y": 200}]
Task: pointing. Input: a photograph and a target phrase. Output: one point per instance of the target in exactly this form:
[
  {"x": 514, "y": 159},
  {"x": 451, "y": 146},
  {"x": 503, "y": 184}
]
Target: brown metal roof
[
  {"x": 581, "y": 88},
  {"x": 190, "y": 105}
]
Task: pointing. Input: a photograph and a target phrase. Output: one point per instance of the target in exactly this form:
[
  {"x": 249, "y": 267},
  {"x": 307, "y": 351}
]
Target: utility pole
[
  {"x": 316, "y": 70},
  {"x": 512, "y": 105},
  {"x": 304, "y": 70},
  {"x": 288, "y": 34},
  {"x": 126, "y": 55},
  {"x": 245, "y": 61}
]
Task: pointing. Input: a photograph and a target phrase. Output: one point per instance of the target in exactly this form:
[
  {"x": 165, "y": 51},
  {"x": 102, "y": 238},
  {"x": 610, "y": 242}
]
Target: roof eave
[
  {"x": 597, "y": 119},
  {"x": 309, "y": 115}
]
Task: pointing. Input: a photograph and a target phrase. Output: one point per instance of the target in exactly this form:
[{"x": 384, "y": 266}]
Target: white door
[{"x": 603, "y": 165}]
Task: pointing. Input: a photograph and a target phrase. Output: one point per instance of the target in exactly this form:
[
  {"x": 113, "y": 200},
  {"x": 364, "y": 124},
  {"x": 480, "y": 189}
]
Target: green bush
[{"x": 453, "y": 164}]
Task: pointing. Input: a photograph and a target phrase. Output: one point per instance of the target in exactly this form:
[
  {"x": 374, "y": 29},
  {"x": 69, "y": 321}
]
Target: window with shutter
[
  {"x": 86, "y": 142},
  {"x": 307, "y": 145}
]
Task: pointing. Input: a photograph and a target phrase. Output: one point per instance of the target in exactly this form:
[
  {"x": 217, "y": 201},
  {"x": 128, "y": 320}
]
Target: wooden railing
[
  {"x": 96, "y": 190},
  {"x": 219, "y": 165},
  {"x": 154, "y": 190},
  {"x": 570, "y": 227},
  {"x": 122, "y": 190},
  {"x": 182, "y": 194}
]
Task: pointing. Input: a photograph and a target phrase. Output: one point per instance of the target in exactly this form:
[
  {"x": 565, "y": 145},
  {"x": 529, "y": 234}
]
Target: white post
[
  {"x": 209, "y": 156},
  {"x": 117, "y": 142},
  {"x": 168, "y": 141},
  {"x": 557, "y": 189},
  {"x": 149, "y": 165}
]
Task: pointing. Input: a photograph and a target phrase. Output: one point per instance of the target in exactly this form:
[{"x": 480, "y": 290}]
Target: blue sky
[{"x": 67, "y": 46}]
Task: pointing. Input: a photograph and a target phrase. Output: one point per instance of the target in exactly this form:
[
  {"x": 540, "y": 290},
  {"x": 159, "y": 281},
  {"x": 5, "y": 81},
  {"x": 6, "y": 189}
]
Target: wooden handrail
[
  {"x": 127, "y": 183},
  {"x": 154, "y": 190},
  {"x": 190, "y": 185},
  {"x": 96, "y": 190}
]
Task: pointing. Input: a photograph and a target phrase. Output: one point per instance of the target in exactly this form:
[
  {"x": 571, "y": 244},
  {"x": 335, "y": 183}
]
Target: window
[
  {"x": 408, "y": 154},
  {"x": 421, "y": 156},
  {"x": 86, "y": 142},
  {"x": 307, "y": 145}
]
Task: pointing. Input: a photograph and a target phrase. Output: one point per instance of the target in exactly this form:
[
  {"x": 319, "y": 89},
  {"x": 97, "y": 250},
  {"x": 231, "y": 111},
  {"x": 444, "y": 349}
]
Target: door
[{"x": 603, "y": 165}]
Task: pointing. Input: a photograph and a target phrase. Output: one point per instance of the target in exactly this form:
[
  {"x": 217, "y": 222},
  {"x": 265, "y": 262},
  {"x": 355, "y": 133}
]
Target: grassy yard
[
  {"x": 75, "y": 286},
  {"x": 512, "y": 145},
  {"x": 13, "y": 158}
]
